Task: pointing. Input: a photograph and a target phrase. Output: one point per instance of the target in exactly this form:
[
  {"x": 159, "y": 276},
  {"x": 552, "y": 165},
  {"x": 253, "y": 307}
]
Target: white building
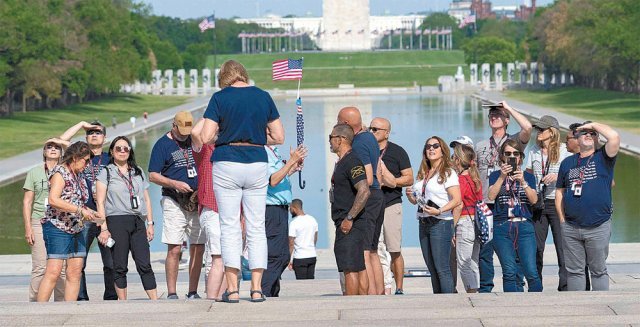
[{"x": 459, "y": 9}]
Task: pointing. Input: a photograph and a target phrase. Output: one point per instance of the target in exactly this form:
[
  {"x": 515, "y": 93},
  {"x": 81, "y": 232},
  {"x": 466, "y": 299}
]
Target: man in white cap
[{"x": 173, "y": 167}]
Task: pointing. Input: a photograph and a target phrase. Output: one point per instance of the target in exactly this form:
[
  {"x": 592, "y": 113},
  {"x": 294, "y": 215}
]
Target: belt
[
  {"x": 244, "y": 144},
  {"x": 278, "y": 205}
]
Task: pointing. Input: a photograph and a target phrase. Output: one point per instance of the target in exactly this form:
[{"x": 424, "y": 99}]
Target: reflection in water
[{"x": 413, "y": 118}]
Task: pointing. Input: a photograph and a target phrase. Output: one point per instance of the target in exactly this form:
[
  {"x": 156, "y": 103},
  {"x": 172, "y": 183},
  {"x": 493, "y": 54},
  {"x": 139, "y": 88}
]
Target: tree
[{"x": 489, "y": 50}]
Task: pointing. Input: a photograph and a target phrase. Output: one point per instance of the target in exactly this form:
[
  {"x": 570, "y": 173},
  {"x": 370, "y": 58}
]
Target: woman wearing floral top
[{"x": 62, "y": 223}]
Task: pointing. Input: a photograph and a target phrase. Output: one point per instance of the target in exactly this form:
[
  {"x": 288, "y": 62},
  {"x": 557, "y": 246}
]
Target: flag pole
[
  {"x": 301, "y": 183},
  {"x": 215, "y": 52}
]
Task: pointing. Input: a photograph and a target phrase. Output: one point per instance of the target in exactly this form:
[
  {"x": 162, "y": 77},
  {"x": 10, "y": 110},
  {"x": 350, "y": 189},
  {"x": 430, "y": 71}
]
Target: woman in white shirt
[
  {"x": 544, "y": 162},
  {"x": 437, "y": 193}
]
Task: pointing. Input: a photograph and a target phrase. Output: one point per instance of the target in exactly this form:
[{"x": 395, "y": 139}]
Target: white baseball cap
[{"x": 463, "y": 139}]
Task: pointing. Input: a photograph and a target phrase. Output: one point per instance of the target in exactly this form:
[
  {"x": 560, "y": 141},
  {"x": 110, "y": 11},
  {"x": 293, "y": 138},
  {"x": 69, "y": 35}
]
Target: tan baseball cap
[{"x": 184, "y": 121}]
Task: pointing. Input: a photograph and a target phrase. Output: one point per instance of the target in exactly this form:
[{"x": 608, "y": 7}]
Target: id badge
[
  {"x": 93, "y": 190},
  {"x": 331, "y": 198},
  {"x": 191, "y": 172},
  {"x": 490, "y": 170},
  {"x": 134, "y": 202},
  {"x": 46, "y": 202},
  {"x": 510, "y": 213},
  {"x": 577, "y": 190}
]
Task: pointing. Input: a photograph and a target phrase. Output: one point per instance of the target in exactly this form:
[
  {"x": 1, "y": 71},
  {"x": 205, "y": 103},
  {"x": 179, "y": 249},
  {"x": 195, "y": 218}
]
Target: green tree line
[{"x": 57, "y": 52}]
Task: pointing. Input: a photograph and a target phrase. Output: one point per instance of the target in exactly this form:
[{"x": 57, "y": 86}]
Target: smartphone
[
  {"x": 513, "y": 162},
  {"x": 432, "y": 204}
]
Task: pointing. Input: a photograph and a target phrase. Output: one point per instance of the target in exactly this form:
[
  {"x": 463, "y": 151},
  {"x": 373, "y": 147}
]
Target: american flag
[
  {"x": 287, "y": 69},
  {"x": 299, "y": 122},
  {"x": 207, "y": 23},
  {"x": 467, "y": 20}
]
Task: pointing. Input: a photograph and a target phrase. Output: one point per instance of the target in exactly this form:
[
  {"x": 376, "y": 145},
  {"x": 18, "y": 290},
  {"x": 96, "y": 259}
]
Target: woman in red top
[{"x": 467, "y": 245}]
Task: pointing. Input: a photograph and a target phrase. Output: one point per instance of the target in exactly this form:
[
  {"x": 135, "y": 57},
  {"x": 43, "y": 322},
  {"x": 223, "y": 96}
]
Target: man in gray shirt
[{"x": 487, "y": 153}]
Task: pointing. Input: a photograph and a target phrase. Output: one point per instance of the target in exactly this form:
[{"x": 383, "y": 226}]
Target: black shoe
[{"x": 399, "y": 292}]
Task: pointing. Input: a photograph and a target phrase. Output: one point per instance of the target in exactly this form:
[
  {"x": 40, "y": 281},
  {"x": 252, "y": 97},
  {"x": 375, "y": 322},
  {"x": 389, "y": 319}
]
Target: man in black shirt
[
  {"x": 348, "y": 195},
  {"x": 394, "y": 172}
]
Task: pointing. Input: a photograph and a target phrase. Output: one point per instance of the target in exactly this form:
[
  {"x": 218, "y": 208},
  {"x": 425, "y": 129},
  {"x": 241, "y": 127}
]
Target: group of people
[{"x": 226, "y": 190}]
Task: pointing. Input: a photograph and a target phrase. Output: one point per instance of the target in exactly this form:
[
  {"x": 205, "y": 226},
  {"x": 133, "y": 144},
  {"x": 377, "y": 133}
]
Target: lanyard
[
  {"x": 584, "y": 167},
  {"x": 494, "y": 148},
  {"x": 513, "y": 188},
  {"x": 185, "y": 152},
  {"x": 93, "y": 169},
  {"x": 384, "y": 151},
  {"x": 128, "y": 182}
]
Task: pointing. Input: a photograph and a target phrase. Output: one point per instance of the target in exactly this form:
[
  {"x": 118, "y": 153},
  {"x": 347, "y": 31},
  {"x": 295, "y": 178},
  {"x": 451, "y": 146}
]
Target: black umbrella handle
[{"x": 301, "y": 183}]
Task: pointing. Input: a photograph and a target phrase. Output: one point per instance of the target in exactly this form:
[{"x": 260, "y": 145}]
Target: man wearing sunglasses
[
  {"x": 394, "y": 173},
  {"x": 488, "y": 161},
  {"x": 584, "y": 205},
  {"x": 95, "y": 133}
]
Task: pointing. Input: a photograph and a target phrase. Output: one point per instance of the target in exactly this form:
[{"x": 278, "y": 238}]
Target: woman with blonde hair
[
  {"x": 467, "y": 244},
  {"x": 245, "y": 119},
  {"x": 437, "y": 193},
  {"x": 544, "y": 162}
]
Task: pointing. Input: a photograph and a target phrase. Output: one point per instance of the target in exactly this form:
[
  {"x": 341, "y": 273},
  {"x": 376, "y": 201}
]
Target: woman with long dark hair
[
  {"x": 63, "y": 222},
  {"x": 467, "y": 244},
  {"x": 513, "y": 233},
  {"x": 437, "y": 193},
  {"x": 544, "y": 163},
  {"x": 123, "y": 197}
]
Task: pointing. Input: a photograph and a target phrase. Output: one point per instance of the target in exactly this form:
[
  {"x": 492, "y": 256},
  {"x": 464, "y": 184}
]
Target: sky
[{"x": 254, "y": 8}]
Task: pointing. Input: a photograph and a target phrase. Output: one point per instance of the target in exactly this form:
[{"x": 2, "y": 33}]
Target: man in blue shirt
[
  {"x": 95, "y": 137},
  {"x": 173, "y": 167},
  {"x": 277, "y": 215},
  {"x": 366, "y": 147},
  {"x": 584, "y": 205}
]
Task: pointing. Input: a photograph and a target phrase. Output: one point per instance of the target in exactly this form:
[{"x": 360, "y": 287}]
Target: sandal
[
  {"x": 225, "y": 297},
  {"x": 262, "y": 298}
]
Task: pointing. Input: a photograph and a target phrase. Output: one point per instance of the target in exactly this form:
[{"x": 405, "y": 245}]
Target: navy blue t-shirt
[
  {"x": 91, "y": 173},
  {"x": 242, "y": 114},
  {"x": 368, "y": 151},
  {"x": 515, "y": 197},
  {"x": 171, "y": 161},
  {"x": 594, "y": 206}
]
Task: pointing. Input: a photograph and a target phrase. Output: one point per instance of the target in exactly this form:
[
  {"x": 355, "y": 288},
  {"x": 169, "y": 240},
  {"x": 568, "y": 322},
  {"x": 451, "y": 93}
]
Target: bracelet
[
  {"x": 525, "y": 186},
  {"x": 104, "y": 230}
]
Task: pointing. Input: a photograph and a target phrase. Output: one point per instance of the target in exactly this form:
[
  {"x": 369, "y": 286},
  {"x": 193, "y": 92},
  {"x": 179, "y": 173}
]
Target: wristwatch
[
  {"x": 150, "y": 223},
  {"x": 349, "y": 217}
]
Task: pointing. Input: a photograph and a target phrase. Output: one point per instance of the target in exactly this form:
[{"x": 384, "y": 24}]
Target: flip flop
[
  {"x": 225, "y": 297},
  {"x": 262, "y": 298}
]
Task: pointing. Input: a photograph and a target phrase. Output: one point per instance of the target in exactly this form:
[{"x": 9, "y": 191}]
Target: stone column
[
  {"x": 498, "y": 76},
  {"x": 168, "y": 80},
  {"x": 486, "y": 76},
  {"x": 193, "y": 81},
  {"x": 473, "y": 74},
  {"x": 206, "y": 80},
  {"x": 511, "y": 73},
  {"x": 156, "y": 81},
  {"x": 180, "y": 81}
]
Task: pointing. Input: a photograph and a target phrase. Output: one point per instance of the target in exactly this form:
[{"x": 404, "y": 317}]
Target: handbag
[{"x": 482, "y": 221}]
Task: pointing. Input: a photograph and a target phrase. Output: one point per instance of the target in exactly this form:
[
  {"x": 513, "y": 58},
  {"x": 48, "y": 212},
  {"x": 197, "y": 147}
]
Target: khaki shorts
[
  {"x": 393, "y": 227},
  {"x": 179, "y": 225}
]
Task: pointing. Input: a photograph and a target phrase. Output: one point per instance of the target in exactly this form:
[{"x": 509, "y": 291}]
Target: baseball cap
[
  {"x": 463, "y": 139},
  {"x": 184, "y": 122},
  {"x": 547, "y": 122}
]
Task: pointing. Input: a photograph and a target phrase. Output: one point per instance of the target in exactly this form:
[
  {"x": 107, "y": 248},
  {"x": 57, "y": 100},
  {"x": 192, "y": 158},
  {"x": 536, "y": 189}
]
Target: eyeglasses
[
  {"x": 540, "y": 129},
  {"x": 86, "y": 161},
  {"x": 496, "y": 115},
  {"x": 94, "y": 132},
  {"x": 432, "y": 146},
  {"x": 125, "y": 148},
  {"x": 376, "y": 129},
  {"x": 583, "y": 133},
  {"x": 334, "y": 136},
  {"x": 512, "y": 154},
  {"x": 52, "y": 146}
]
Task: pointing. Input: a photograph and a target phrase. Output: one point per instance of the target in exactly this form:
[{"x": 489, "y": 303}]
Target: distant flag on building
[
  {"x": 348, "y": 32},
  {"x": 207, "y": 23},
  {"x": 467, "y": 20},
  {"x": 287, "y": 70},
  {"x": 361, "y": 31},
  {"x": 418, "y": 32},
  {"x": 426, "y": 32}
]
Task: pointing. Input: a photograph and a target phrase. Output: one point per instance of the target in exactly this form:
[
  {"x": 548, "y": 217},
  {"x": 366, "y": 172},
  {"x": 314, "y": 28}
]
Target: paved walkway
[
  {"x": 318, "y": 302},
  {"x": 16, "y": 167},
  {"x": 629, "y": 141}
]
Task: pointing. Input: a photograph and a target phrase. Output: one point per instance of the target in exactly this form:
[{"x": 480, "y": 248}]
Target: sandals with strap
[
  {"x": 262, "y": 298},
  {"x": 225, "y": 297}
]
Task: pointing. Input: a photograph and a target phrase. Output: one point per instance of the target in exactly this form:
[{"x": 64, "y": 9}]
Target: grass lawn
[
  {"x": 364, "y": 69},
  {"x": 617, "y": 109},
  {"x": 26, "y": 131}
]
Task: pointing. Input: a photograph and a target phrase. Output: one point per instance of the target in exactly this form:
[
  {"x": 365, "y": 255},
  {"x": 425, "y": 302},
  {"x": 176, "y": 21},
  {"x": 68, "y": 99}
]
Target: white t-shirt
[
  {"x": 436, "y": 192},
  {"x": 304, "y": 229}
]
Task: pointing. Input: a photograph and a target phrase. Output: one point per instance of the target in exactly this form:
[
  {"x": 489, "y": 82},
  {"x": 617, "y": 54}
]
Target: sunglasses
[
  {"x": 334, "y": 136},
  {"x": 86, "y": 161},
  {"x": 583, "y": 133},
  {"x": 376, "y": 129},
  {"x": 52, "y": 146},
  {"x": 94, "y": 132},
  {"x": 125, "y": 148},
  {"x": 540, "y": 129},
  {"x": 512, "y": 154},
  {"x": 432, "y": 146}
]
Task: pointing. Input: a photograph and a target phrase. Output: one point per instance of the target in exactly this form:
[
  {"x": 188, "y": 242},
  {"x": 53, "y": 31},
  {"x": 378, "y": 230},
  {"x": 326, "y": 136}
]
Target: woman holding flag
[{"x": 245, "y": 119}]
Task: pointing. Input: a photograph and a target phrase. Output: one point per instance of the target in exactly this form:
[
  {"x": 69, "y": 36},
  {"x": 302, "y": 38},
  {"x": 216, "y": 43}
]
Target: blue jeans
[
  {"x": 435, "y": 240},
  {"x": 486, "y": 267},
  {"x": 514, "y": 240}
]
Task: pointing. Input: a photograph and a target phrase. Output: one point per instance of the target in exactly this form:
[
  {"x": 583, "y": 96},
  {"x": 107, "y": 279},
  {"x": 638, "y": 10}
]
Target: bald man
[
  {"x": 394, "y": 172},
  {"x": 367, "y": 150}
]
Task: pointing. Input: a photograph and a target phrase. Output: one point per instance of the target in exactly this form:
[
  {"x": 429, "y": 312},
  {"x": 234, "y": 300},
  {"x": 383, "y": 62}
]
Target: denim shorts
[{"x": 62, "y": 245}]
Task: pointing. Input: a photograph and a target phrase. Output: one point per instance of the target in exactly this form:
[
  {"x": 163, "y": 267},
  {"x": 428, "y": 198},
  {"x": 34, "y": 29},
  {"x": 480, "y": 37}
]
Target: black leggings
[
  {"x": 304, "y": 268},
  {"x": 130, "y": 234}
]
